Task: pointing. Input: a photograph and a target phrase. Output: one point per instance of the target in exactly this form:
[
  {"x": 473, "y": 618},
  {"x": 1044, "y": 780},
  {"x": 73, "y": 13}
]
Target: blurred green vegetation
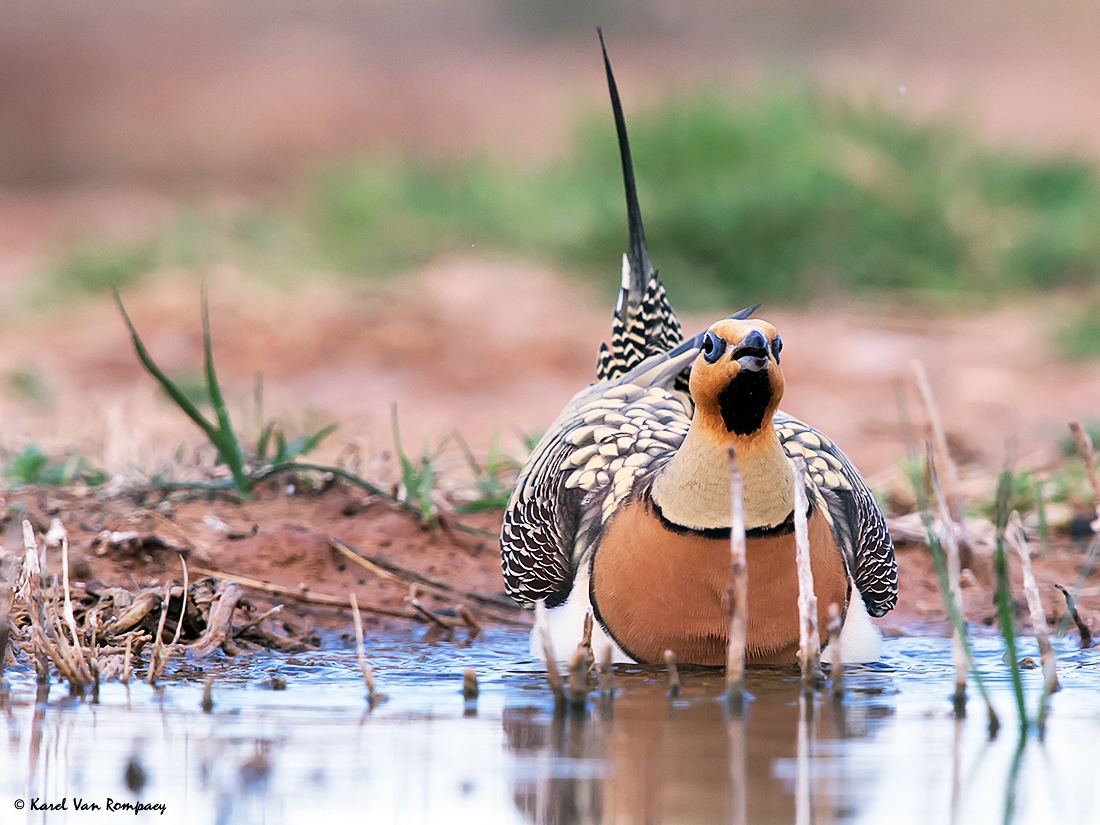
[
  {"x": 98, "y": 267},
  {"x": 776, "y": 197},
  {"x": 32, "y": 466},
  {"x": 1079, "y": 337},
  {"x": 28, "y": 384}
]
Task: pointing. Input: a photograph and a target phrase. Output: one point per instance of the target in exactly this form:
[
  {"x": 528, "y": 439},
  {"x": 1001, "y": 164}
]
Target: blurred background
[{"x": 419, "y": 204}]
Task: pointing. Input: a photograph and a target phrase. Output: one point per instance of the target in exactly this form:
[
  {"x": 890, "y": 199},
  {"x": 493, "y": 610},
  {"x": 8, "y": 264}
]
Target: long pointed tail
[{"x": 644, "y": 322}]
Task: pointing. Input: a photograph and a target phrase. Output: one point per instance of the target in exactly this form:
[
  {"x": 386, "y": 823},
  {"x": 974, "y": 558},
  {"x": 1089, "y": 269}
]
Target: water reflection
[
  {"x": 655, "y": 760},
  {"x": 892, "y": 752}
]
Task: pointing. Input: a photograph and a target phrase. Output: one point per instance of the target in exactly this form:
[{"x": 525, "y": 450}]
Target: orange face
[{"x": 736, "y": 381}]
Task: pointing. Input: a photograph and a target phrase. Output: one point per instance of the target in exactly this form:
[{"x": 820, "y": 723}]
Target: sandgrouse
[{"x": 623, "y": 508}]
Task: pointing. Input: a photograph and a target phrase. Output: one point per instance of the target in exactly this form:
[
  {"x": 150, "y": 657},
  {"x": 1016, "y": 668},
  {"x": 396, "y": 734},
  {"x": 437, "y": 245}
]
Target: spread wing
[
  {"x": 858, "y": 522},
  {"x": 586, "y": 464}
]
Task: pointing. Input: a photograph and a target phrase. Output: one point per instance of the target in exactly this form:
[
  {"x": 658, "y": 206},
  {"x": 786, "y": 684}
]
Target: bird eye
[
  {"x": 713, "y": 347},
  {"x": 777, "y": 347}
]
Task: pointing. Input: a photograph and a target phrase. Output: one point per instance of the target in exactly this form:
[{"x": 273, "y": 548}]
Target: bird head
[{"x": 736, "y": 381}]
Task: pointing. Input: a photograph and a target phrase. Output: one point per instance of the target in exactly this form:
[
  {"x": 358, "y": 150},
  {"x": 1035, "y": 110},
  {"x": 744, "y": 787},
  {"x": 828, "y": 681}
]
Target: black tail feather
[
  {"x": 641, "y": 270},
  {"x": 644, "y": 322}
]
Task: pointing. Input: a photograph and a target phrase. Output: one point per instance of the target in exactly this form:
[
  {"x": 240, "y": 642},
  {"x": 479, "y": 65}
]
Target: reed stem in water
[
  {"x": 809, "y": 639},
  {"x": 674, "y": 685},
  {"x": 738, "y": 595},
  {"x": 954, "y": 584},
  {"x": 360, "y": 653},
  {"x": 552, "y": 675}
]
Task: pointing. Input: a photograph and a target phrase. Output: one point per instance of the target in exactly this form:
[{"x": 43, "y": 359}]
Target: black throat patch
[{"x": 744, "y": 401}]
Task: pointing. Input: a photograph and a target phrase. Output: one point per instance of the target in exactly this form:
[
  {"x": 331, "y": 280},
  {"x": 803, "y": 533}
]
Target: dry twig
[
  {"x": 1084, "y": 449},
  {"x": 30, "y": 579},
  {"x": 607, "y": 674},
  {"x": 674, "y": 685},
  {"x": 360, "y": 653},
  {"x": 552, "y": 675},
  {"x": 256, "y": 620},
  {"x": 1071, "y": 608},
  {"x": 208, "y": 695},
  {"x": 470, "y": 689},
  {"x": 444, "y": 625},
  {"x": 738, "y": 595},
  {"x": 954, "y": 583},
  {"x": 129, "y": 657},
  {"x": 473, "y": 628},
  {"x": 1017, "y": 538},
  {"x": 183, "y": 605},
  {"x": 809, "y": 639},
  {"x": 577, "y": 678},
  {"x": 498, "y": 608},
  {"x": 310, "y": 598},
  {"x": 156, "y": 657},
  {"x": 836, "y": 669},
  {"x": 939, "y": 435},
  {"x": 79, "y": 664},
  {"x": 219, "y": 626}
]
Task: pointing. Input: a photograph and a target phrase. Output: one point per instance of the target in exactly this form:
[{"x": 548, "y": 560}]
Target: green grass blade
[
  {"x": 258, "y": 402},
  {"x": 939, "y": 562},
  {"x": 1012, "y": 781},
  {"x": 281, "y": 456},
  {"x": 475, "y": 467},
  {"x": 424, "y": 484},
  {"x": 28, "y": 466},
  {"x": 939, "y": 557},
  {"x": 306, "y": 444},
  {"x": 1002, "y": 596},
  {"x": 229, "y": 448},
  {"x": 1041, "y": 510},
  {"x": 488, "y": 501},
  {"x": 408, "y": 472},
  {"x": 264, "y": 442},
  {"x": 174, "y": 392}
]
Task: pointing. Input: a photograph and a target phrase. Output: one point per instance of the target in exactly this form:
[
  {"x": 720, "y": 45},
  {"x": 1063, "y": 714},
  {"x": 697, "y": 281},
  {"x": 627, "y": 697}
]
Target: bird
[{"x": 622, "y": 511}]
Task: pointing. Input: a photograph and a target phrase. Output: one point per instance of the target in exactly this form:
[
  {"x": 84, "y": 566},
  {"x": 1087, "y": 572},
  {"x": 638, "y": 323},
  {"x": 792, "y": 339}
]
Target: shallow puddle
[{"x": 892, "y": 754}]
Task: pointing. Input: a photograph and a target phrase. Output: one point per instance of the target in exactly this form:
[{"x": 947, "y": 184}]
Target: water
[{"x": 893, "y": 754}]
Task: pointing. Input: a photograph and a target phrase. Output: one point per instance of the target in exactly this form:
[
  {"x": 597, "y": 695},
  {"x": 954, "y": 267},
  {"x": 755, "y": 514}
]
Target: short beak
[
  {"x": 752, "y": 352},
  {"x": 753, "y": 363}
]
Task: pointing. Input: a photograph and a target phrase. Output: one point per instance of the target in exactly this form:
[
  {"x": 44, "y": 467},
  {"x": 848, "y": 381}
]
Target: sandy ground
[{"x": 483, "y": 346}]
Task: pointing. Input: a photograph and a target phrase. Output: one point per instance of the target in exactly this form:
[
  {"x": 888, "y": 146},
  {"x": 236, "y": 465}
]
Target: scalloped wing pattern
[
  {"x": 590, "y": 459},
  {"x": 609, "y": 437},
  {"x": 858, "y": 522}
]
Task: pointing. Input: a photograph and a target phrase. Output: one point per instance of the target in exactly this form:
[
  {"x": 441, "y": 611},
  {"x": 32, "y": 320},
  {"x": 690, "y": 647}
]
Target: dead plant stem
[
  {"x": 809, "y": 636},
  {"x": 552, "y": 675},
  {"x": 939, "y": 435},
  {"x": 1084, "y": 449},
  {"x": 311, "y": 598},
  {"x": 738, "y": 594},
  {"x": 954, "y": 582},
  {"x": 360, "y": 653},
  {"x": 1018, "y": 538},
  {"x": 675, "y": 687}
]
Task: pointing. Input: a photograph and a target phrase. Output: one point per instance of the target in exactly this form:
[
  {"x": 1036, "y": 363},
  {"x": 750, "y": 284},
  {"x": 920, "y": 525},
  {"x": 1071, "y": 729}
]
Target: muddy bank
[{"x": 309, "y": 550}]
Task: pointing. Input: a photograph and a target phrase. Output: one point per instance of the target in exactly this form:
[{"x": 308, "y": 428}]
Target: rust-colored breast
[{"x": 656, "y": 589}]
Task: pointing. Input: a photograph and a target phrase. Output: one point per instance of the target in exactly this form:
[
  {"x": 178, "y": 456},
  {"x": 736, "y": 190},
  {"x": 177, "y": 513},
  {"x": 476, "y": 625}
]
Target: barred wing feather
[
  {"x": 585, "y": 466},
  {"x": 857, "y": 520}
]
